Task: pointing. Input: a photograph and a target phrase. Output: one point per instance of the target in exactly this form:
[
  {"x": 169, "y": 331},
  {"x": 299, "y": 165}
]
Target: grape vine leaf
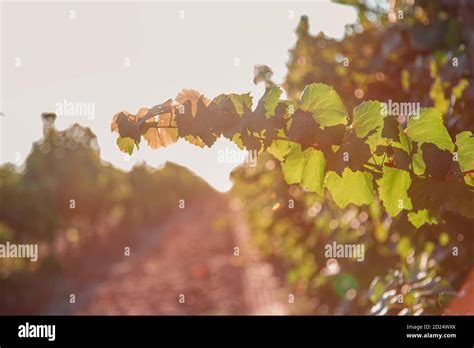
[
  {"x": 419, "y": 165},
  {"x": 325, "y": 104},
  {"x": 161, "y": 137},
  {"x": 305, "y": 167},
  {"x": 302, "y": 128},
  {"x": 280, "y": 148},
  {"x": 241, "y": 101},
  {"x": 426, "y": 194},
  {"x": 437, "y": 162},
  {"x": 391, "y": 129},
  {"x": 428, "y": 127},
  {"x": 352, "y": 187},
  {"x": 124, "y": 123},
  {"x": 157, "y": 137},
  {"x": 368, "y": 116},
  {"x": 354, "y": 152},
  {"x": 193, "y": 96},
  {"x": 271, "y": 100},
  {"x": 421, "y": 217},
  {"x": 126, "y": 144},
  {"x": 465, "y": 151},
  {"x": 393, "y": 187}
]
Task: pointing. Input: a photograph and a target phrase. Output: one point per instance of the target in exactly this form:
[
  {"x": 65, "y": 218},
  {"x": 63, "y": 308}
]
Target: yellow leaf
[
  {"x": 158, "y": 137},
  {"x": 193, "y": 96}
]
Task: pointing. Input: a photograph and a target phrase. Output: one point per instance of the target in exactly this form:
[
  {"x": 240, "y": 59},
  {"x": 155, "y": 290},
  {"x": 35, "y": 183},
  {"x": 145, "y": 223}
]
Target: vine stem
[
  {"x": 158, "y": 126},
  {"x": 315, "y": 146}
]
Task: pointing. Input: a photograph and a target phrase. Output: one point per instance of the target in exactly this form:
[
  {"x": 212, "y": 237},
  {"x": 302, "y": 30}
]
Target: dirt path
[{"x": 186, "y": 266}]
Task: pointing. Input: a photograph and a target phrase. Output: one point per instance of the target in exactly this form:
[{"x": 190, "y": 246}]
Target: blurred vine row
[{"x": 72, "y": 204}]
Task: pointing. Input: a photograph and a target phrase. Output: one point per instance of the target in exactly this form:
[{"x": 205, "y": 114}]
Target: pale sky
[{"x": 48, "y": 56}]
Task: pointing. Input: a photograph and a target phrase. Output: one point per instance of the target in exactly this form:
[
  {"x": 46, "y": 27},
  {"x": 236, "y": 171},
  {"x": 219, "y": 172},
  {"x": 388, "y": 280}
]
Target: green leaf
[
  {"x": 465, "y": 151},
  {"x": 236, "y": 139},
  {"x": 271, "y": 100},
  {"x": 368, "y": 116},
  {"x": 280, "y": 148},
  {"x": 306, "y": 168},
  {"x": 393, "y": 187},
  {"x": 422, "y": 217},
  {"x": 241, "y": 101},
  {"x": 126, "y": 144},
  {"x": 419, "y": 165},
  {"x": 403, "y": 142},
  {"x": 376, "y": 139},
  {"x": 325, "y": 104},
  {"x": 428, "y": 127},
  {"x": 352, "y": 187}
]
